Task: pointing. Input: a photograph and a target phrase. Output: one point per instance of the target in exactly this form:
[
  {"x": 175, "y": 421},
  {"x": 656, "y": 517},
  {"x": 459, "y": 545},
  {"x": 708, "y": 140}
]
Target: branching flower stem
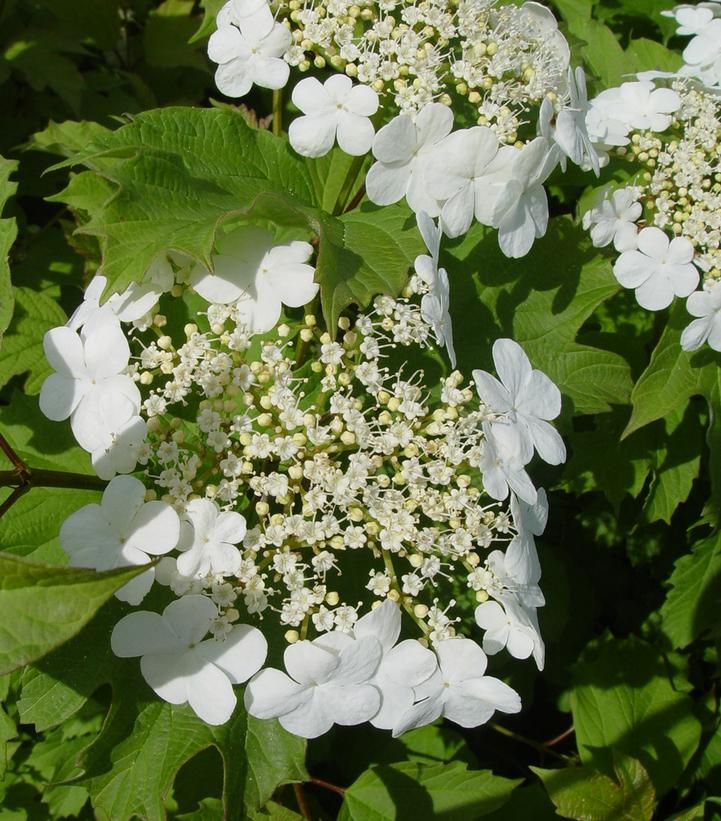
[{"x": 347, "y": 187}]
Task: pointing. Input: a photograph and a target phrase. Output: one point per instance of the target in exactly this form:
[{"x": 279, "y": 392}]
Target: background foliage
[{"x": 624, "y": 721}]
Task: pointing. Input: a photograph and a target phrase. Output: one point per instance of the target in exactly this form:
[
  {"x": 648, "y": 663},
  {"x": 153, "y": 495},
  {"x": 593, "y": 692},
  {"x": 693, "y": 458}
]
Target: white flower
[
  {"x": 705, "y": 48},
  {"x": 521, "y": 560},
  {"x": 613, "y": 219},
  {"x": 459, "y": 690},
  {"x": 329, "y": 683},
  {"x": 635, "y": 105},
  {"x": 403, "y": 148},
  {"x": 706, "y": 305},
  {"x": 505, "y": 454},
  {"x": 180, "y": 666},
  {"x": 262, "y": 276},
  {"x": 691, "y": 20},
  {"x": 115, "y": 435},
  {"x": 505, "y": 627},
  {"x": 337, "y": 108},
  {"x": 527, "y": 397},
  {"x": 208, "y": 540},
  {"x": 403, "y": 666},
  {"x": 659, "y": 270},
  {"x": 436, "y": 303},
  {"x": 122, "y": 530},
  {"x": 520, "y": 206},
  {"x": 249, "y": 50},
  {"x": 461, "y": 173},
  {"x": 567, "y": 128},
  {"x": 86, "y": 369}
]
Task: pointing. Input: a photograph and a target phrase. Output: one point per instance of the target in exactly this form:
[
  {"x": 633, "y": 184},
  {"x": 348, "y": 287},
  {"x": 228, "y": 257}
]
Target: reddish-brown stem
[
  {"x": 360, "y": 193},
  {"x": 559, "y": 738},
  {"x": 302, "y": 802},
  {"x": 6, "y": 448},
  {"x": 327, "y": 785},
  {"x": 12, "y": 498}
]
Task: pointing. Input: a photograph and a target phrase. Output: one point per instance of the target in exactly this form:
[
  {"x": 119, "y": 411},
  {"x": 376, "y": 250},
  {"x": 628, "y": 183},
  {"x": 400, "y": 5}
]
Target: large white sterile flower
[
  {"x": 638, "y": 105},
  {"x": 334, "y": 109},
  {"x": 114, "y": 434},
  {"x": 328, "y": 683},
  {"x": 706, "y": 305},
  {"x": 526, "y": 396},
  {"x": 613, "y": 219},
  {"x": 435, "y": 305},
  {"x": 659, "y": 270},
  {"x": 567, "y": 128},
  {"x": 461, "y": 172},
  {"x": 503, "y": 462},
  {"x": 521, "y": 561},
  {"x": 540, "y": 20},
  {"x": 402, "y": 667},
  {"x": 505, "y": 627},
  {"x": 249, "y": 49},
  {"x": 256, "y": 13},
  {"x": 520, "y": 206},
  {"x": 180, "y": 666},
  {"x": 705, "y": 47},
  {"x": 122, "y": 530},
  {"x": 403, "y": 148},
  {"x": 86, "y": 369},
  {"x": 459, "y": 690},
  {"x": 261, "y": 276},
  {"x": 691, "y": 20},
  {"x": 208, "y": 540}
]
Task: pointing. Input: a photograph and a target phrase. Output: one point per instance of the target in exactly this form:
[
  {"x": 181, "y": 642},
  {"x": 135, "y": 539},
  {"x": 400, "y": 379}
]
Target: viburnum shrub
[{"x": 335, "y": 333}]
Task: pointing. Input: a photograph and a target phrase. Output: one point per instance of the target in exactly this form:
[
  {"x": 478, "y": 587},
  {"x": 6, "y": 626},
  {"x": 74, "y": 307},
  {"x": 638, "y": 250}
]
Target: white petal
[
  {"x": 190, "y": 617},
  {"x": 211, "y": 695},
  {"x": 309, "y": 96},
  {"x": 308, "y": 663},
  {"x": 314, "y": 134},
  {"x": 155, "y": 528},
  {"x": 492, "y": 392},
  {"x": 60, "y": 395},
  {"x": 121, "y": 502},
  {"x": 633, "y": 268},
  {"x": 167, "y": 675},
  {"x": 425, "y": 712},
  {"x": 229, "y": 527},
  {"x": 106, "y": 351},
  {"x": 395, "y": 142},
  {"x": 141, "y": 633},
  {"x": 240, "y": 655},
  {"x": 460, "y": 659},
  {"x": 310, "y": 719},
  {"x": 656, "y": 293},
  {"x": 386, "y": 184},
  {"x": 270, "y": 72},
  {"x": 355, "y": 134},
  {"x": 234, "y": 78},
  {"x": 512, "y": 365},
  {"x": 384, "y": 623},
  {"x": 350, "y": 704},
  {"x": 363, "y": 101},
  {"x": 271, "y": 694},
  {"x": 395, "y": 700},
  {"x": 409, "y": 663},
  {"x": 358, "y": 661}
]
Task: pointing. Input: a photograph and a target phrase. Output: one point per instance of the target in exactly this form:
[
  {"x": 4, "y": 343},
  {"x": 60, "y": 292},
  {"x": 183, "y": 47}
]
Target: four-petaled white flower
[
  {"x": 521, "y": 561},
  {"x": 459, "y": 690},
  {"x": 520, "y": 205},
  {"x": 526, "y": 397},
  {"x": 87, "y": 368},
  {"x": 691, "y": 20},
  {"x": 506, "y": 452},
  {"x": 435, "y": 304},
  {"x": 505, "y": 627},
  {"x": 328, "y": 683},
  {"x": 122, "y": 530},
  {"x": 260, "y": 276},
  {"x": 402, "y": 149},
  {"x": 249, "y": 46},
  {"x": 659, "y": 270},
  {"x": 114, "y": 434},
  {"x": 706, "y": 305},
  {"x": 208, "y": 540},
  {"x": 636, "y": 105},
  {"x": 334, "y": 109},
  {"x": 180, "y": 666},
  {"x": 613, "y": 219},
  {"x": 403, "y": 666},
  {"x": 461, "y": 173}
]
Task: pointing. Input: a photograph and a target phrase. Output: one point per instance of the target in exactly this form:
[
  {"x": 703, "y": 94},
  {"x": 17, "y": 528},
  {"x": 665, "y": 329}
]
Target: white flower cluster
[
  {"x": 666, "y": 223},
  {"x": 528, "y": 108},
  {"x": 281, "y": 466}
]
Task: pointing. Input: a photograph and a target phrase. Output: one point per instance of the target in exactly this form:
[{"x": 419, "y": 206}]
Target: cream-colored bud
[
  {"x": 160, "y": 320},
  {"x": 355, "y": 514},
  {"x": 415, "y": 560},
  {"x": 316, "y": 366},
  {"x": 473, "y": 559},
  {"x": 146, "y": 378},
  {"x": 211, "y": 491},
  {"x": 295, "y": 472},
  {"x": 481, "y": 596},
  {"x": 190, "y": 329},
  {"x": 393, "y": 595},
  {"x": 300, "y": 439},
  {"x": 265, "y": 402},
  {"x": 420, "y": 611},
  {"x": 150, "y": 495},
  {"x": 178, "y": 437},
  {"x": 332, "y": 598},
  {"x": 262, "y": 508},
  {"x": 283, "y": 330},
  {"x": 291, "y": 636},
  {"x": 319, "y": 62},
  {"x": 306, "y": 334},
  {"x": 371, "y": 528},
  {"x": 347, "y": 437}
]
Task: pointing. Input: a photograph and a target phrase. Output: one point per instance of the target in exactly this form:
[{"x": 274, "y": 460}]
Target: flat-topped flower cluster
[
  {"x": 666, "y": 223},
  {"x": 314, "y": 485}
]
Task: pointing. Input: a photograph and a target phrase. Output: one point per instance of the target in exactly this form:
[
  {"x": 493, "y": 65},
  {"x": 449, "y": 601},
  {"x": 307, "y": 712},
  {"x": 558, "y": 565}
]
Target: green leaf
[
  {"x": 542, "y": 306},
  {"x": 179, "y": 173},
  {"x": 623, "y": 700},
  {"x": 166, "y": 35},
  {"x": 8, "y": 232},
  {"x": 413, "y": 791},
  {"x": 42, "y": 606},
  {"x": 587, "y": 795},
  {"x": 144, "y": 741},
  {"x": 363, "y": 253},
  {"x": 672, "y": 376},
  {"x": 691, "y": 605},
  {"x": 332, "y": 173},
  {"x": 22, "y": 350},
  {"x": 66, "y": 138},
  {"x": 275, "y": 812}
]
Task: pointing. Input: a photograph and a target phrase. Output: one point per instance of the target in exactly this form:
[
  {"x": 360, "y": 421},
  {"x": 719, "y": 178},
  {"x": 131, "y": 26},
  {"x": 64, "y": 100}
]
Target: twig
[
  {"x": 12, "y": 498},
  {"x": 302, "y": 802},
  {"x": 6, "y": 448},
  {"x": 327, "y": 786},
  {"x": 559, "y": 738},
  {"x": 277, "y": 112},
  {"x": 529, "y": 742}
]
